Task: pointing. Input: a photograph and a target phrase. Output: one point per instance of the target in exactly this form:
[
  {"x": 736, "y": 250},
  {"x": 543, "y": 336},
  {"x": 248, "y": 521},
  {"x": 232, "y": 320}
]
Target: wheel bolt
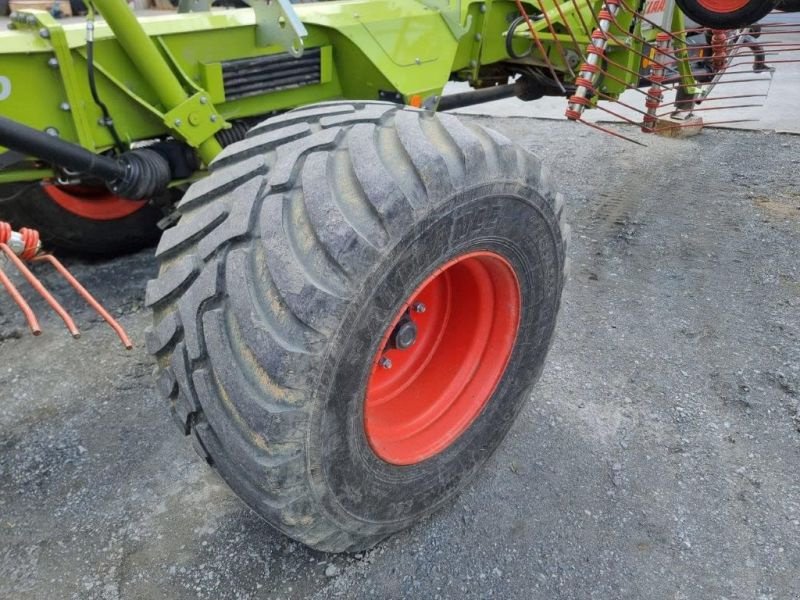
[
  {"x": 386, "y": 363},
  {"x": 419, "y": 307}
]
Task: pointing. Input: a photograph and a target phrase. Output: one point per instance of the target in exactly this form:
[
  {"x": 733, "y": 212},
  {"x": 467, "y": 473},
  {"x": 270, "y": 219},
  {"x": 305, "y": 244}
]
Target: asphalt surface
[{"x": 657, "y": 458}]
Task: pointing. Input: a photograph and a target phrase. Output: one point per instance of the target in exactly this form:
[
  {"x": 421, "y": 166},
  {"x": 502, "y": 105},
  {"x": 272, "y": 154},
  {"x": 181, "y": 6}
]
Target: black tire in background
[
  {"x": 27, "y": 205},
  {"x": 787, "y": 5},
  {"x": 288, "y": 263},
  {"x": 708, "y": 14}
]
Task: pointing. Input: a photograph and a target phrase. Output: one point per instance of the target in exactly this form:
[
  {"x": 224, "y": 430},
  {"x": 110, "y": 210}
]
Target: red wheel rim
[
  {"x": 723, "y": 6},
  {"x": 466, "y": 316},
  {"x": 97, "y": 204}
]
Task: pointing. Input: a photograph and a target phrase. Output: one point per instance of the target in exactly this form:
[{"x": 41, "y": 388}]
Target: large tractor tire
[
  {"x": 725, "y": 14},
  {"x": 353, "y": 309},
  {"x": 81, "y": 220}
]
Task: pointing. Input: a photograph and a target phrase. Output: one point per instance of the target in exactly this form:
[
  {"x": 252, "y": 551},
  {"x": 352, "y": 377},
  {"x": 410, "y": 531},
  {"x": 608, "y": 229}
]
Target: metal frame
[{"x": 163, "y": 75}]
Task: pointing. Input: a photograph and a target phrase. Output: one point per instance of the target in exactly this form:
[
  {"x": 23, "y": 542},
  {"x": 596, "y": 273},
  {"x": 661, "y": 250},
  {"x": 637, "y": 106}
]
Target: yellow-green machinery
[{"x": 356, "y": 293}]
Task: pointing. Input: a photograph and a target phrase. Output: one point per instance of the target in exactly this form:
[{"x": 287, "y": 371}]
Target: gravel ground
[{"x": 656, "y": 459}]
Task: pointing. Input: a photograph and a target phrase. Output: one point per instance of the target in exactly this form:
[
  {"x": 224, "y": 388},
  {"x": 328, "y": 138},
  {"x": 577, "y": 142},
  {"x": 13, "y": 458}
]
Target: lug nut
[
  {"x": 419, "y": 307},
  {"x": 386, "y": 363}
]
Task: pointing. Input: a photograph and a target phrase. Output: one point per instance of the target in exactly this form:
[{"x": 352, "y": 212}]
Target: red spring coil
[
  {"x": 579, "y": 100},
  {"x": 30, "y": 241},
  {"x": 5, "y": 232}
]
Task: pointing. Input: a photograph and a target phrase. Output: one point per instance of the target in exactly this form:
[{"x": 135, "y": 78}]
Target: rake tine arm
[
  {"x": 37, "y": 285},
  {"x": 90, "y": 300},
  {"x": 30, "y": 316}
]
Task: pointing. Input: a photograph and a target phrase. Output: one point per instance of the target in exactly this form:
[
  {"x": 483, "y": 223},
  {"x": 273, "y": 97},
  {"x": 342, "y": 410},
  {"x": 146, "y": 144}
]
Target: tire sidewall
[{"x": 358, "y": 490}]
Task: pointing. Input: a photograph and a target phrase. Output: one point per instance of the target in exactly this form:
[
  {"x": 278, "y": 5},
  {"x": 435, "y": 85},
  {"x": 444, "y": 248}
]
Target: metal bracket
[
  {"x": 194, "y": 120},
  {"x": 451, "y": 16},
  {"x": 51, "y": 31},
  {"x": 278, "y": 23}
]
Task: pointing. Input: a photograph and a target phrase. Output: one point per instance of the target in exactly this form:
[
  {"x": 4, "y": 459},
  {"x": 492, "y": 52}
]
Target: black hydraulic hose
[
  {"x": 33, "y": 142},
  {"x": 107, "y": 121},
  {"x": 510, "y": 39}
]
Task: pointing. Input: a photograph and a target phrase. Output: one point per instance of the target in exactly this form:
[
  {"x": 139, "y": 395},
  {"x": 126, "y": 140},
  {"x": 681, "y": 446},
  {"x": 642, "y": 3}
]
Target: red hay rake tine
[
  {"x": 30, "y": 316},
  {"x": 90, "y": 300},
  {"x": 559, "y": 47},
  {"x": 734, "y": 97},
  {"x": 24, "y": 246},
  {"x": 729, "y": 49},
  {"x": 705, "y": 124},
  {"x": 587, "y": 32},
  {"x": 37, "y": 285},
  {"x": 569, "y": 31},
  {"x": 523, "y": 13},
  {"x": 610, "y": 132},
  {"x": 710, "y": 108}
]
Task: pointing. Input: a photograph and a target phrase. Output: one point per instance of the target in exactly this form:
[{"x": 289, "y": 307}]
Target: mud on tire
[{"x": 282, "y": 276}]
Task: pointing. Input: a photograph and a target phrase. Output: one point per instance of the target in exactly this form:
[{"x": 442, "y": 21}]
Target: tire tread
[{"x": 257, "y": 273}]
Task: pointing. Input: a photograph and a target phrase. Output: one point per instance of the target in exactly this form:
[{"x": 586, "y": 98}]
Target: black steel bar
[
  {"x": 38, "y": 144},
  {"x": 462, "y": 99}
]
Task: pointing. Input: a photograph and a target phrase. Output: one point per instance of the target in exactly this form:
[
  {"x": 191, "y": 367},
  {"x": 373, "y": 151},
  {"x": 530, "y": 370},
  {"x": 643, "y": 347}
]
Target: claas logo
[{"x": 654, "y": 6}]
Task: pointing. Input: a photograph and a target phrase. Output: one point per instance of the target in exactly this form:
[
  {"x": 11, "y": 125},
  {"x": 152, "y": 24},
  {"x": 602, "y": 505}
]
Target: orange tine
[
  {"x": 523, "y": 13},
  {"x": 614, "y": 133},
  {"x": 569, "y": 31},
  {"x": 84, "y": 293},
  {"x": 559, "y": 47},
  {"x": 705, "y": 124},
  {"x": 718, "y": 98},
  {"x": 30, "y": 317},
  {"x": 710, "y": 108},
  {"x": 37, "y": 285}
]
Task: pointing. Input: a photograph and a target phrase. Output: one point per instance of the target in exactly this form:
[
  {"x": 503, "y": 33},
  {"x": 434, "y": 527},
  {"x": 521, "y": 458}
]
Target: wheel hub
[
  {"x": 442, "y": 357},
  {"x": 97, "y": 204},
  {"x": 404, "y": 334}
]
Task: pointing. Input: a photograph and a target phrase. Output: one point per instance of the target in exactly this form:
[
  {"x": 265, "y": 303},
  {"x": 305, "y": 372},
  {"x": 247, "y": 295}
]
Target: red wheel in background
[
  {"x": 725, "y": 14},
  {"x": 723, "y": 6},
  {"x": 96, "y": 204},
  {"x": 81, "y": 220}
]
